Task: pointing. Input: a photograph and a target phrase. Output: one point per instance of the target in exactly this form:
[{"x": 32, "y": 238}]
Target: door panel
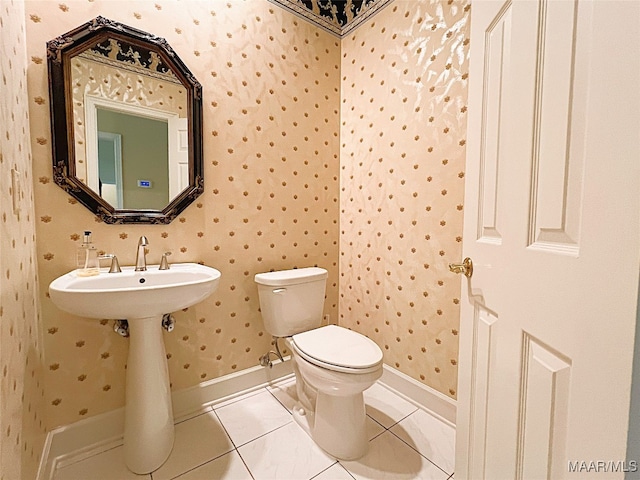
[
  {"x": 483, "y": 325},
  {"x": 496, "y": 57},
  {"x": 552, "y": 225},
  {"x": 556, "y": 173},
  {"x": 178, "y": 156},
  {"x": 543, "y": 411}
]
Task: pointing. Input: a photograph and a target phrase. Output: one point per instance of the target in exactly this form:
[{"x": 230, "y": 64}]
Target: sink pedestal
[
  {"x": 142, "y": 297},
  {"x": 148, "y": 430}
]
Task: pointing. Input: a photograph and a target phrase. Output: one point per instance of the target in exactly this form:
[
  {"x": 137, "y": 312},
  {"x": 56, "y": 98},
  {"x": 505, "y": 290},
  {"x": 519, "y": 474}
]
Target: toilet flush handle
[{"x": 279, "y": 290}]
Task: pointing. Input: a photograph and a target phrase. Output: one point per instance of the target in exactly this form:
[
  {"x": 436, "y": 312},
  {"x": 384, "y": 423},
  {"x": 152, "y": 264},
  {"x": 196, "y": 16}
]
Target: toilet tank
[{"x": 292, "y": 301}]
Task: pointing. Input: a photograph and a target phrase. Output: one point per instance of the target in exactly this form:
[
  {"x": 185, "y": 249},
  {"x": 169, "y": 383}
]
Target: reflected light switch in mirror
[{"x": 16, "y": 191}]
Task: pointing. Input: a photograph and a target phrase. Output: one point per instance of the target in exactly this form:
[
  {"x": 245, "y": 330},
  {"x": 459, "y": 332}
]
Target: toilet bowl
[
  {"x": 331, "y": 405},
  {"x": 333, "y": 365}
]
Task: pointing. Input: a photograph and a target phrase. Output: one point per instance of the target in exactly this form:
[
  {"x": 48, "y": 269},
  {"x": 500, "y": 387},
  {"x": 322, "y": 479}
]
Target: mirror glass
[{"x": 130, "y": 144}]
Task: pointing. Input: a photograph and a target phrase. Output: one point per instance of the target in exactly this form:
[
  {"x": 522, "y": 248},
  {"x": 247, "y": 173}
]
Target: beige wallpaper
[
  {"x": 22, "y": 409},
  {"x": 271, "y": 142},
  {"x": 344, "y": 154},
  {"x": 403, "y": 128}
]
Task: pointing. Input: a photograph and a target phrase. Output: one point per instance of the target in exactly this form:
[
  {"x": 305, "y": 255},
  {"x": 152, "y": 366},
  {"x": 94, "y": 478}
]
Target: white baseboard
[
  {"x": 422, "y": 395},
  {"x": 101, "y": 432},
  {"x": 190, "y": 399}
]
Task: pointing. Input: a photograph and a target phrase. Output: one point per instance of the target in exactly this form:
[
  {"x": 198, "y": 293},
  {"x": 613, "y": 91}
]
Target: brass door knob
[{"x": 466, "y": 267}]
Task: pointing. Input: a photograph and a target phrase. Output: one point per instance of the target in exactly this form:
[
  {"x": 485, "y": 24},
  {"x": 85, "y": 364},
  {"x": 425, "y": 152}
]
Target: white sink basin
[
  {"x": 129, "y": 294},
  {"x": 142, "y": 298}
]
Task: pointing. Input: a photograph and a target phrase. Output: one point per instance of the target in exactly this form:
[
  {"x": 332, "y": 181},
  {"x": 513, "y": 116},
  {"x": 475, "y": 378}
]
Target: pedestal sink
[{"x": 142, "y": 298}]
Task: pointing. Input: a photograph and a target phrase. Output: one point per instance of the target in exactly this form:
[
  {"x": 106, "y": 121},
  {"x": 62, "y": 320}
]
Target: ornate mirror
[{"x": 126, "y": 123}]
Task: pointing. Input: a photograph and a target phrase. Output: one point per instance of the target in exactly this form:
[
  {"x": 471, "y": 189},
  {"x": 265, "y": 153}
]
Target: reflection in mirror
[
  {"x": 132, "y": 161},
  {"x": 127, "y": 123},
  {"x": 115, "y": 91}
]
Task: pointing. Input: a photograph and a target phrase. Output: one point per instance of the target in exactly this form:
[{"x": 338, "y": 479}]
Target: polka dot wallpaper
[
  {"x": 346, "y": 154},
  {"x": 271, "y": 164},
  {"x": 403, "y": 124},
  {"x": 22, "y": 409}
]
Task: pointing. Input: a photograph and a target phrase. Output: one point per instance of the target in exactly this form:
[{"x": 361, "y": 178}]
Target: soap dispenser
[{"x": 87, "y": 258}]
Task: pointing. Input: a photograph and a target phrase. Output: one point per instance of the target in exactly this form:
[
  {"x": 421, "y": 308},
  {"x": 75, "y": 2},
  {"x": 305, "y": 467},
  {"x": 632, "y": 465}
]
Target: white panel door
[
  {"x": 552, "y": 224},
  {"x": 178, "y": 156}
]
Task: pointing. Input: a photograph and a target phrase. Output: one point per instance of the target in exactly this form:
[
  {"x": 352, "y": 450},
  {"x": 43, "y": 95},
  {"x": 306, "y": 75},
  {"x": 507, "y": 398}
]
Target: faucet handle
[
  {"x": 164, "y": 263},
  {"x": 115, "y": 265}
]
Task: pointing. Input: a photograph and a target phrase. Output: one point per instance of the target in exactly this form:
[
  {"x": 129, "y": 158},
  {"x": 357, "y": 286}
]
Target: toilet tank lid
[{"x": 291, "y": 277}]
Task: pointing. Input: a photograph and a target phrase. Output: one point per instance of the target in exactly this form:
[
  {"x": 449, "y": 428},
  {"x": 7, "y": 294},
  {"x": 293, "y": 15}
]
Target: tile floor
[{"x": 254, "y": 436}]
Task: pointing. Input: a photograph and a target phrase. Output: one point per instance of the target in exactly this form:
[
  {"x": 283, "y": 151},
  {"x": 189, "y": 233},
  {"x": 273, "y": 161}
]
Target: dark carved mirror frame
[{"x": 60, "y": 51}]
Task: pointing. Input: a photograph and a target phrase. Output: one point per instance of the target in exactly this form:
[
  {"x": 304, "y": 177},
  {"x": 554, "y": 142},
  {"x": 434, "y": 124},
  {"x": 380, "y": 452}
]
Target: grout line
[
  {"x": 259, "y": 436},
  {"x": 278, "y": 400},
  {"x": 345, "y": 468},
  {"x": 198, "y": 466},
  {"x": 265, "y": 433},
  {"x": 235, "y": 447},
  {"x": 245, "y": 465},
  {"x": 402, "y": 419},
  {"x": 186, "y": 418},
  {"x": 347, "y": 471},
  {"x": 419, "y": 453},
  {"x": 247, "y": 443},
  {"x": 330, "y": 466},
  {"x": 384, "y": 429}
]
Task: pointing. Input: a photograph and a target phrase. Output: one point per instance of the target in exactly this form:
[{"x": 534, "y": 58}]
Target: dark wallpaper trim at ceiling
[{"x": 336, "y": 16}]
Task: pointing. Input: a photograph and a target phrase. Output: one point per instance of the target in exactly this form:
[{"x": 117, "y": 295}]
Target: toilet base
[
  {"x": 338, "y": 425},
  {"x": 303, "y": 418}
]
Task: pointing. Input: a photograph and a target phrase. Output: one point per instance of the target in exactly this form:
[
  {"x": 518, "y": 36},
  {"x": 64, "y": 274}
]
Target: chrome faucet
[
  {"x": 141, "y": 258},
  {"x": 164, "y": 263},
  {"x": 115, "y": 265}
]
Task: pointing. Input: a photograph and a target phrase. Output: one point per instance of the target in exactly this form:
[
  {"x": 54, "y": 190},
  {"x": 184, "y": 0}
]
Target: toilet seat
[{"x": 338, "y": 349}]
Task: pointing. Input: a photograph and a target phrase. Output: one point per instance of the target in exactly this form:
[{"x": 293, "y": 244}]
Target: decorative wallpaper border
[{"x": 333, "y": 16}]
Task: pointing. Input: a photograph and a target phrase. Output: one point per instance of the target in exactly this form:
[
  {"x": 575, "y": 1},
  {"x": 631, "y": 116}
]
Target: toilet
[{"x": 332, "y": 365}]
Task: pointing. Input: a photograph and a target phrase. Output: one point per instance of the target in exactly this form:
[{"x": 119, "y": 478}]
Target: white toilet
[{"x": 333, "y": 365}]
